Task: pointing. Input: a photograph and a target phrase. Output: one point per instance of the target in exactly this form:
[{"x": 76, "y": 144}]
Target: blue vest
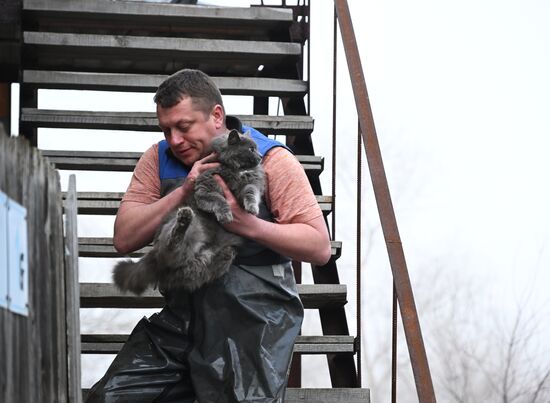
[{"x": 172, "y": 171}]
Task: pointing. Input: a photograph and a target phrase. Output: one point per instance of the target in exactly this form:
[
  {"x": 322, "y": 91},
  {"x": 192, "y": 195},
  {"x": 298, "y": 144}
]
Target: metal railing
[{"x": 401, "y": 280}]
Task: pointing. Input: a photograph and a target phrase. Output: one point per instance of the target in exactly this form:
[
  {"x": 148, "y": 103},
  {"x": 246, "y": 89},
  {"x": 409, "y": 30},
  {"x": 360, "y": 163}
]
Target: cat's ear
[{"x": 233, "y": 138}]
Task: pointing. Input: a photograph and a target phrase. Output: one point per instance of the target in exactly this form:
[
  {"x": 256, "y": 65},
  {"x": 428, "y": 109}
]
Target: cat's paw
[
  {"x": 184, "y": 216},
  {"x": 252, "y": 208},
  {"x": 222, "y": 261},
  {"x": 224, "y": 217},
  {"x": 227, "y": 254}
]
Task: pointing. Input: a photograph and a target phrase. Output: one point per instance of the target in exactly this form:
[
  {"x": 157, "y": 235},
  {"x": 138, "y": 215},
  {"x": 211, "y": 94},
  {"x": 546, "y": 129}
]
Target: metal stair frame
[
  {"x": 342, "y": 368},
  {"x": 341, "y": 364}
]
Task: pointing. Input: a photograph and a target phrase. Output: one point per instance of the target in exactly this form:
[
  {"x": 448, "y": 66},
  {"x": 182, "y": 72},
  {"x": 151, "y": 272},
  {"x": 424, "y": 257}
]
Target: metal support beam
[
  {"x": 28, "y": 99},
  {"x": 333, "y": 321},
  {"x": 5, "y": 106},
  {"x": 10, "y": 40},
  {"x": 411, "y": 324},
  {"x": 261, "y": 106}
]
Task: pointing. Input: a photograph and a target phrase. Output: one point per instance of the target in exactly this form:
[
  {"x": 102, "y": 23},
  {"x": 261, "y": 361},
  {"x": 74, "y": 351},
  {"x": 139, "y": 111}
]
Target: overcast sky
[
  {"x": 460, "y": 94},
  {"x": 459, "y": 91}
]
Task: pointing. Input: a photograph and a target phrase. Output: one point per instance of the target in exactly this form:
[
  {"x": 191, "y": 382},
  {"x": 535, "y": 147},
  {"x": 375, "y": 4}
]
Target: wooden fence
[{"x": 39, "y": 353}]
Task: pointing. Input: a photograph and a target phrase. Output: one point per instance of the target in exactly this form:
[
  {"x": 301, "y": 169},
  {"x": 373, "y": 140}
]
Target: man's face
[{"x": 188, "y": 131}]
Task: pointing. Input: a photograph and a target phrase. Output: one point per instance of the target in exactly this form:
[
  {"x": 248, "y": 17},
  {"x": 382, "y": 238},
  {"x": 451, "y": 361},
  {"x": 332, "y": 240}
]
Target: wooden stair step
[
  {"x": 167, "y": 19},
  {"x": 126, "y": 161},
  {"x": 334, "y": 395},
  {"x": 107, "y": 203},
  {"x": 147, "y": 121},
  {"x": 93, "y": 160},
  {"x": 103, "y": 247},
  {"x": 112, "y": 343},
  {"x": 256, "y": 86},
  {"x": 143, "y": 54},
  {"x": 106, "y": 295},
  {"x": 317, "y": 395}
]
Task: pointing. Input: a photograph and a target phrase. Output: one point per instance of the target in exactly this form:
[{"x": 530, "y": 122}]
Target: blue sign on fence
[
  {"x": 3, "y": 250},
  {"x": 18, "y": 274}
]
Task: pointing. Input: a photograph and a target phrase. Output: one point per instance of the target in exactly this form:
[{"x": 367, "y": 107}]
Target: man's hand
[
  {"x": 306, "y": 242},
  {"x": 241, "y": 218},
  {"x": 202, "y": 165}
]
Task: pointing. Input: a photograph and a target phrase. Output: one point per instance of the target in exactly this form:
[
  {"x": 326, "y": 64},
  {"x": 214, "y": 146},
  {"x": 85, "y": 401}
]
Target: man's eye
[{"x": 183, "y": 128}]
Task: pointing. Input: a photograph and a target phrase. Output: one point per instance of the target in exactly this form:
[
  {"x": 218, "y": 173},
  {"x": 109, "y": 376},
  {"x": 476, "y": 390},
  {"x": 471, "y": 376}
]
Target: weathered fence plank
[
  {"x": 72, "y": 294},
  {"x": 33, "y": 367}
]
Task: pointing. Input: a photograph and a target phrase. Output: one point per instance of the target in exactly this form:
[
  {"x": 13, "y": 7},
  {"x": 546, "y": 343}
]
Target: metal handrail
[{"x": 409, "y": 316}]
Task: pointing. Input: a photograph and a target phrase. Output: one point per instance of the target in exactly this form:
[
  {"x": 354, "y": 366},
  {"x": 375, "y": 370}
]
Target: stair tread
[
  {"x": 137, "y": 54},
  {"x": 112, "y": 343},
  {"x": 118, "y": 196},
  {"x": 106, "y": 295},
  {"x": 258, "y": 86},
  {"x": 316, "y": 395},
  {"x": 128, "y": 43},
  {"x": 318, "y": 339},
  {"x": 158, "y": 17},
  {"x": 107, "y": 203},
  {"x": 126, "y": 161},
  {"x": 157, "y": 10},
  {"x": 103, "y": 247},
  {"x": 147, "y": 121},
  {"x": 332, "y": 395},
  {"x": 131, "y": 154}
]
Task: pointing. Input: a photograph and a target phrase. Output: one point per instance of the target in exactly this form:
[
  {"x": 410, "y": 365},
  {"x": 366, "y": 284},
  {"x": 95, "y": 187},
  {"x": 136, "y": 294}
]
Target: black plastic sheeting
[{"x": 230, "y": 341}]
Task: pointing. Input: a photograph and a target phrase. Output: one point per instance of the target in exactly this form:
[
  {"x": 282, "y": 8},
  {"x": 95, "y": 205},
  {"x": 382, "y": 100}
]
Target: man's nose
[{"x": 177, "y": 138}]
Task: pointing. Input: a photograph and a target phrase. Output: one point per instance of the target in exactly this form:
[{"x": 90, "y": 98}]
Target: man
[{"x": 231, "y": 340}]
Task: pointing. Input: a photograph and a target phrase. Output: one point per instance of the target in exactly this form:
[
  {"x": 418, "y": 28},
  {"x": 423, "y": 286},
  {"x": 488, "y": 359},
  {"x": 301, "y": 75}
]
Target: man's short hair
[{"x": 195, "y": 84}]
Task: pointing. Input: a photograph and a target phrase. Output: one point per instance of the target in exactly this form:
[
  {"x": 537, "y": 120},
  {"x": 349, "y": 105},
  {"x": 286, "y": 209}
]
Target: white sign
[{"x": 18, "y": 274}]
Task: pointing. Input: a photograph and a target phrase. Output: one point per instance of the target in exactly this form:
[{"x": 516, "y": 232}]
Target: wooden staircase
[{"x": 131, "y": 47}]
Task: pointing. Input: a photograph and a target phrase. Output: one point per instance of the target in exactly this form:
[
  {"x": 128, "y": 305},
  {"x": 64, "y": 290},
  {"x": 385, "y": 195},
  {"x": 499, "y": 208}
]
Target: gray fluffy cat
[{"x": 191, "y": 248}]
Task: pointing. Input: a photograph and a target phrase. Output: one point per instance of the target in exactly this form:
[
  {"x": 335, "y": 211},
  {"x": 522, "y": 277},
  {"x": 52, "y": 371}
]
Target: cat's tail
[{"x": 134, "y": 276}]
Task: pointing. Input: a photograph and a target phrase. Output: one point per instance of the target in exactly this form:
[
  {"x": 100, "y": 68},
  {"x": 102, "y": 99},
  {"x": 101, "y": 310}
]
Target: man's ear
[
  {"x": 233, "y": 138},
  {"x": 218, "y": 115}
]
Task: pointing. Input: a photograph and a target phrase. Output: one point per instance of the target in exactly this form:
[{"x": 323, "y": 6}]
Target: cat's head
[{"x": 237, "y": 150}]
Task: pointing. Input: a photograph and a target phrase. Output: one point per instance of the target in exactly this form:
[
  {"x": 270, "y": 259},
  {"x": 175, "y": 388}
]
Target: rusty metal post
[
  {"x": 359, "y": 244},
  {"x": 10, "y": 55},
  {"x": 334, "y": 110},
  {"x": 411, "y": 324},
  {"x": 5, "y": 106}
]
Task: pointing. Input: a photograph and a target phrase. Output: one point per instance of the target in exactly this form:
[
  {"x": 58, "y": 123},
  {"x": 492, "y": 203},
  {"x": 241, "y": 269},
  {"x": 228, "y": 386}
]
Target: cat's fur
[{"x": 191, "y": 248}]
